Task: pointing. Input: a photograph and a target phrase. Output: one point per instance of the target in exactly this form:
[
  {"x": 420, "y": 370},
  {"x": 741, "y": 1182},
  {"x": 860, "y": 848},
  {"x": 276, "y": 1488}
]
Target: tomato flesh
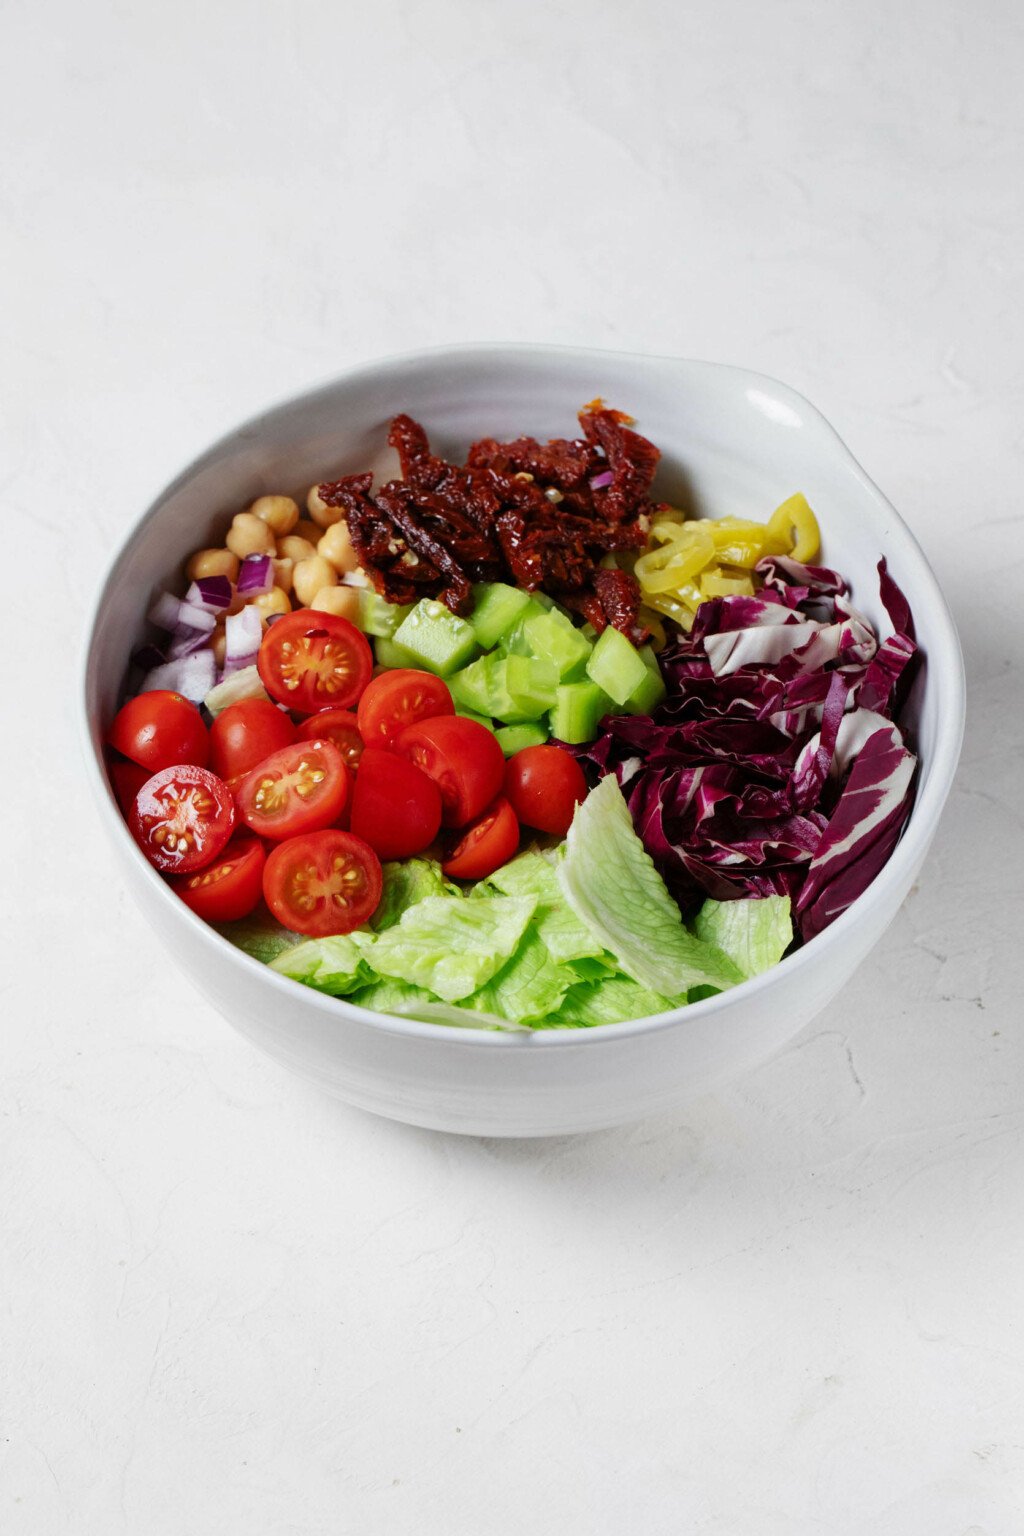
[
  {"x": 463, "y": 759},
  {"x": 399, "y": 698},
  {"x": 544, "y": 786},
  {"x": 245, "y": 733},
  {"x": 485, "y": 846},
  {"x": 395, "y": 807},
  {"x": 182, "y": 817},
  {"x": 338, "y": 725},
  {"x": 159, "y": 730},
  {"x": 126, "y": 779},
  {"x": 230, "y": 887},
  {"x": 309, "y": 660},
  {"x": 302, "y": 788},
  {"x": 323, "y": 883}
]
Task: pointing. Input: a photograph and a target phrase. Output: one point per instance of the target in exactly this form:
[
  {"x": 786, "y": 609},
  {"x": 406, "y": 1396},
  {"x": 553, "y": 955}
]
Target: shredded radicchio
[
  {"x": 774, "y": 766},
  {"x": 540, "y": 515}
]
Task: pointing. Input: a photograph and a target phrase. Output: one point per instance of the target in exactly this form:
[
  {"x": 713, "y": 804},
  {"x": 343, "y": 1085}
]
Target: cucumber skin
[
  {"x": 579, "y": 710},
  {"x": 496, "y": 607},
  {"x": 440, "y": 641},
  {"x": 516, "y": 738},
  {"x": 617, "y": 666}
]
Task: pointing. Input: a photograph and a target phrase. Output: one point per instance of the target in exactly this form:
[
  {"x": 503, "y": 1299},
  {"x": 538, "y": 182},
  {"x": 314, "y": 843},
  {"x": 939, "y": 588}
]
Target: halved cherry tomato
[
  {"x": 463, "y": 759},
  {"x": 126, "y": 779},
  {"x": 395, "y": 807},
  {"x": 485, "y": 846},
  {"x": 325, "y": 882},
  {"x": 544, "y": 786},
  {"x": 182, "y": 817},
  {"x": 160, "y": 730},
  {"x": 245, "y": 733},
  {"x": 339, "y": 726},
  {"x": 228, "y": 888},
  {"x": 399, "y": 698},
  {"x": 300, "y": 789},
  {"x": 309, "y": 660}
]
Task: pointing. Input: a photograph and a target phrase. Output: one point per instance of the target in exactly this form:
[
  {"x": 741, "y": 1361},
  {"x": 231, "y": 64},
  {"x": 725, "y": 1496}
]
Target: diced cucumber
[
  {"x": 377, "y": 616},
  {"x": 389, "y": 654},
  {"x": 554, "y": 638},
  {"x": 649, "y": 694},
  {"x": 514, "y": 642},
  {"x": 513, "y": 738},
  {"x": 531, "y": 684},
  {"x": 579, "y": 709},
  {"x": 246, "y": 683},
  {"x": 616, "y": 666},
  {"x": 468, "y": 714},
  {"x": 438, "y": 638},
  {"x": 496, "y": 606},
  {"x": 481, "y": 687}
]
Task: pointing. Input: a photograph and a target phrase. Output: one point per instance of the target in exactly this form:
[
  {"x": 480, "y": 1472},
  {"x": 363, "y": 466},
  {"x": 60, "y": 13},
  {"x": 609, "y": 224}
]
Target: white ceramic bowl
[{"x": 732, "y": 442}]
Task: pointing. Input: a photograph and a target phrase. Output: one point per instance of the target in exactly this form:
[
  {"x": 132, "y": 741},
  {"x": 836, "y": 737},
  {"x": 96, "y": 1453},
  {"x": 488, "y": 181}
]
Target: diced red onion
[
  {"x": 213, "y": 593},
  {"x": 186, "y": 640},
  {"x": 243, "y": 632},
  {"x": 148, "y": 656},
  {"x": 255, "y": 576},
  {"x": 599, "y": 482},
  {"x": 165, "y": 611},
  {"x": 192, "y": 676}
]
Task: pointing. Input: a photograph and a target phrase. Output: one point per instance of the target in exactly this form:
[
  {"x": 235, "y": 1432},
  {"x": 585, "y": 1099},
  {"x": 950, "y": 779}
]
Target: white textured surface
[{"x": 228, "y": 1304}]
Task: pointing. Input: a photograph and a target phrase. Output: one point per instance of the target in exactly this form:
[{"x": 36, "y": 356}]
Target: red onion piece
[
  {"x": 192, "y": 676},
  {"x": 255, "y": 576},
  {"x": 243, "y": 632},
  {"x": 165, "y": 611},
  {"x": 599, "y": 482},
  {"x": 212, "y": 593}
]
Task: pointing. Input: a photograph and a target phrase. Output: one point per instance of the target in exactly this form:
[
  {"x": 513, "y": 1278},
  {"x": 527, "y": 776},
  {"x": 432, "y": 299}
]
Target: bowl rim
[{"x": 945, "y": 655}]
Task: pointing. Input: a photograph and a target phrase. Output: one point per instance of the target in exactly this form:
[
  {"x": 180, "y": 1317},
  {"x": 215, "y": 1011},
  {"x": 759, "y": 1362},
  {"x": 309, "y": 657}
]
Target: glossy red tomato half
[
  {"x": 309, "y": 660},
  {"x": 229, "y": 887},
  {"x": 544, "y": 786},
  {"x": 395, "y": 807},
  {"x": 323, "y": 883},
  {"x": 245, "y": 733},
  {"x": 485, "y": 846},
  {"x": 399, "y": 698},
  {"x": 339, "y": 726},
  {"x": 182, "y": 817},
  {"x": 302, "y": 788},
  {"x": 463, "y": 759},
  {"x": 159, "y": 730}
]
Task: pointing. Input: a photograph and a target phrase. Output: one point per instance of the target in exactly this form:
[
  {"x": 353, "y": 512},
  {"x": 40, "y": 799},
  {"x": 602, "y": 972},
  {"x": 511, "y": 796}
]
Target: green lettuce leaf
[
  {"x": 527, "y": 987},
  {"x": 755, "y": 933},
  {"x": 610, "y": 1001},
  {"x": 397, "y": 997},
  {"x": 611, "y": 883},
  {"x": 259, "y": 935},
  {"x": 447, "y": 944},
  {"x": 405, "y": 883},
  {"x": 565, "y": 937},
  {"x": 333, "y": 965}
]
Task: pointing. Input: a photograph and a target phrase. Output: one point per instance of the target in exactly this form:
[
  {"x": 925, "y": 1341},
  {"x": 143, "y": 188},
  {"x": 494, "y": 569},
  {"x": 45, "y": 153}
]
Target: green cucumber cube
[
  {"x": 377, "y": 616},
  {"x": 579, "y": 710},
  {"x": 554, "y": 638},
  {"x": 514, "y": 642},
  {"x": 438, "y": 638},
  {"x": 531, "y": 684},
  {"x": 496, "y": 606},
  {"x": 616, "y": 666},
  {"x": 513, "y": 738},
  {"x": 480, "y": 687},
  {"x": 649, "y": 694},
  {"x": 467, "y": 714},
  {"x": 389, "y": 654}
]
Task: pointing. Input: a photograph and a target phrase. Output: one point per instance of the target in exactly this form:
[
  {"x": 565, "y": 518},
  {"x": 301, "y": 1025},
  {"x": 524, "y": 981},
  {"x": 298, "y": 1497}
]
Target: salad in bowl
[{"x": 510, "y": 740}]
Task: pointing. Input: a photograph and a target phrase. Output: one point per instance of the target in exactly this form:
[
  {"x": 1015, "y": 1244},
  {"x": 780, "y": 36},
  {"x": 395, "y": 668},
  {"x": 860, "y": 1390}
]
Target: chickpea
[
  {"x": 307, "y": 530},
  {"x": 343, "y": 602},
  {"x": 336, "y": 546},
  {"x": 310, "y": 576},
  {"x": 212, "y": 562},
  {"x": 272, "y": 602},
  {"x": 279, "y": 513},
  {"x": 283, "y": 573},
  {"x": 318, "y": 509},
  {"x": 295, "y": 548},
  {"x": 219, "y": 646},
  {"x": 249, "y": 535}
]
